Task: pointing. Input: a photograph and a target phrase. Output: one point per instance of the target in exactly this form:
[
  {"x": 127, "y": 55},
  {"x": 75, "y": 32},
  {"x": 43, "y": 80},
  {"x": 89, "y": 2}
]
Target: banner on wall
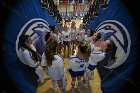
[
  {"x": 61, "y": 1},
  {"x": 66, "y": 1},
  {"x": 75, "y": 7},
  {"x": 71, "y": 1},
  {"x": 85, "y": 1},
  {"x": 80, "y": 1},
  {"x": 71, "y": 8}
]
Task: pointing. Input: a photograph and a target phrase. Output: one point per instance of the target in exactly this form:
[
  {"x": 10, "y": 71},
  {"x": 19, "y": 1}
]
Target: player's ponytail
[
  {"x": 111, "y": 51},
  {"x": 84, "y": 48},
  {"x": 50, "y": 50}
]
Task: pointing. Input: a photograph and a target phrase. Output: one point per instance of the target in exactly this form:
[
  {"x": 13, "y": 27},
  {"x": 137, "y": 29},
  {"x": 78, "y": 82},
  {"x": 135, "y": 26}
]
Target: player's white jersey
[
  {"x": 88, "y": 39},
  {"x": 73, "y": 33},
  {"x": 77, "y": 64},
  {"x": 82, "y": 36},
  {"x": 83, "y": 32},
  {"x": 66, "y": 36},
  {"x": 56, "y": 70},
  {"x": 26, "y": 56},
  {"x": 96, "y": 56}
]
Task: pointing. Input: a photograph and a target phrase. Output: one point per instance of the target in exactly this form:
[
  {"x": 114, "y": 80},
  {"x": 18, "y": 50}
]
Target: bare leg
[
  {"x": 69, "y": 50},
  {"x": 72, "y": 44},
  {"x": 59, "y": 49},
  {"x": 79, "y": 83},
  {"x": 64, "y": 51},
  {"x": 92, "y": 75},
  {"x": 85, "y": 81},
  {"x": 86, "y": 78},
  {"x": 73, "y": 83},
  {"x": 53, "y": 83},
  {"x": 60, "y": 85}
]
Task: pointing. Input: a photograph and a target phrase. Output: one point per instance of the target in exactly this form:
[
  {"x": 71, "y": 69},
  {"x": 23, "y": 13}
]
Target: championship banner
[
  {"x": 80, "y": 1},
  {"x": 75, "y": 7},
  {"x": 71, "y": 8},
  {"x": 61, "y": 1},
  {"x": 116, "y": 23},
  {"x": 66, "y": 1},
  {"x": 71, "y": 1},
  {"x": 85, "y": 1}
]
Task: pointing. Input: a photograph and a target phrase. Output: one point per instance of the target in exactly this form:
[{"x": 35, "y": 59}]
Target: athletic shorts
[
  {"x": 91, "y": 67},
  {"x": 66, "y": 42},
  {"x": 76, "y": 73}
]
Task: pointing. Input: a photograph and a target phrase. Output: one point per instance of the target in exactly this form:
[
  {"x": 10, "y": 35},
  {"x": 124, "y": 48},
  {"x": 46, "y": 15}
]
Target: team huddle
[{"x": 83, "y": 48}]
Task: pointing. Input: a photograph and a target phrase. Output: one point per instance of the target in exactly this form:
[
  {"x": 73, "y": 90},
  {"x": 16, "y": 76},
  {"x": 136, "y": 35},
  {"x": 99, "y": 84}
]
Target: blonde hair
[{"x": 84, "y": 48}]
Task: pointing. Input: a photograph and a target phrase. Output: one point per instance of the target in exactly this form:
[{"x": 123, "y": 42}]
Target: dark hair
[
  {"x": 111, "y": 50},
  {"x": 47, "y": 36},
  {"x": 84, "y": 48},
  {"x": 52, "y": 28},
  {"x": 98, "y": 36},
  {"x": 23, "y": 39},
  {"x": 50, "y": 50},
  {"x": 91, "y": 32}
]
